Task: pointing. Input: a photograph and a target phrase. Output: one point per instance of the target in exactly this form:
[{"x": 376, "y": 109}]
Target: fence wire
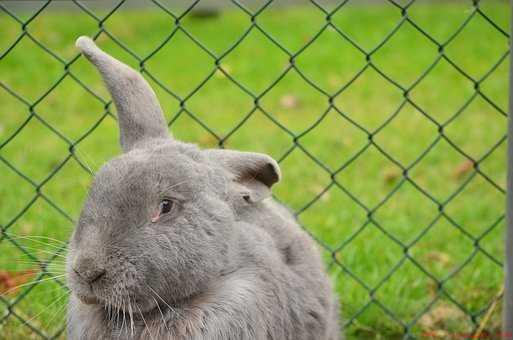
[{"x": 11, "y": 310}]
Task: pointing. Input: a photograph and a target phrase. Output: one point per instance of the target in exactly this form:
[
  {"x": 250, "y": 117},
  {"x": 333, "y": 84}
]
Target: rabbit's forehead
[{"x": 150, "y": 170}]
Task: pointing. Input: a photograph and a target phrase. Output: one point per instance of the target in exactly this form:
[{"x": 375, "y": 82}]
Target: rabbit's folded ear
[
  {"x": 139, "y": 113},
  {"x": 255, "y": 172}
]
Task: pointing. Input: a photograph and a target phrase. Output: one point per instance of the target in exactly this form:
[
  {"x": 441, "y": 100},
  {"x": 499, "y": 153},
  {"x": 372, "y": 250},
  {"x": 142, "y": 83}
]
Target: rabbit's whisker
[
  {"x": 14, "y": 236},
  {"x": 46, "y": 252},
  {"x": 34, "y": 272},
  {"x": 120, "y": 310},
  {"x": 117, "y": 304},
  {"x": 46, "y": 272},
  {"x": 114, "y": 310},
  {"x": 122, "y": 307},
  {"x": 63, "y": 246},
  {"x": 162, "y": 315},
  {"x": 16, "y": 265},
  {"x": 130, "y": 314},
  {"x": 144, "y": 320},
  {"x": 126, "y": 303},
  {"x": 158, "y": 296},
  {"x": 47, "y": 290},
  {"x": 36, "y": 260},
  {"x": 109, "y": 308},
  {"x": 32, "y": 283},
  {"x": 57, "y": 312},
  {"x": 47, "y": 307},
  {"x": 124, "y": 317}
]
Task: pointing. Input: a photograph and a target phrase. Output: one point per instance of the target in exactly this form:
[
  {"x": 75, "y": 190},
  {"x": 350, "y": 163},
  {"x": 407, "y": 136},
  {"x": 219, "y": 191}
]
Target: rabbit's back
[{"x": 294, "y": 269}]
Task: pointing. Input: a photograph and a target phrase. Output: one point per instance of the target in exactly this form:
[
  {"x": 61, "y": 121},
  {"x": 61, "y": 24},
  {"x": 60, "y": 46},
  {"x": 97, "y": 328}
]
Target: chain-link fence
[{"x": 388, "y": 119}]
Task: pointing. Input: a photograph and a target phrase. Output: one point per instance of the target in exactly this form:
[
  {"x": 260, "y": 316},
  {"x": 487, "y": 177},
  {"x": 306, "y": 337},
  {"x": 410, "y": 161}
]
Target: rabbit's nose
[{"x": 88, "y": 270}]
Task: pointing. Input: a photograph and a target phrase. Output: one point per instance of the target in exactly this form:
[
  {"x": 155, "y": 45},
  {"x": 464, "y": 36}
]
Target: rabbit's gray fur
[{"x": 227, "y": 262}]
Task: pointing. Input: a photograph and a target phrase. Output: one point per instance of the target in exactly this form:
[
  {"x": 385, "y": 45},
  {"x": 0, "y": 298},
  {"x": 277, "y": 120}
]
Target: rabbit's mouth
[
  {"x": 84, "y": 293},
  {"x": 88, "y": 299}
]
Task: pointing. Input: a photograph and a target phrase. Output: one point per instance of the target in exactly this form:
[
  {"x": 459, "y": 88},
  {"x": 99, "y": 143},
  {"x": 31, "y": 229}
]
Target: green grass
[{"x": 330, "y": 62}]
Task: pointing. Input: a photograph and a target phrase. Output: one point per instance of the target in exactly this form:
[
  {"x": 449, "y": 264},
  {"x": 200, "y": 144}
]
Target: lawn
[{"x": 381, "y": 173}]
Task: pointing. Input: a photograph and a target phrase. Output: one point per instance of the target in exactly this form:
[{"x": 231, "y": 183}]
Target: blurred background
[{"x": 388, "y": 119}]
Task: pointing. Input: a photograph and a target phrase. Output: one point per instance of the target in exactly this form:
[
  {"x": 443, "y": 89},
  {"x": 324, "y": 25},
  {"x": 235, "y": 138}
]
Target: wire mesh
[{"x": 401, "y": 177}]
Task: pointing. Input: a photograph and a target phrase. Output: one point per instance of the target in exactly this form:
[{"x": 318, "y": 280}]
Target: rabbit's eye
[{"x": 165, "y": 206}]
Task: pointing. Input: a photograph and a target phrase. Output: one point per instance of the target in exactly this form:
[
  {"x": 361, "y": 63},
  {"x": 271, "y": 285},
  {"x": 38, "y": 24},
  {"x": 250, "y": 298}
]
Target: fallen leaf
[
  {"x": 437, "y": 256},
  {"x": 432, "y": 288},
  {"x": 391, "y": 174},
  {"x": 439, "y": 316},
  {"x": 289, "y": 101},
  {"x": 463, "y": 168},
  {"x": 10, "y": 280},
  {"x": 435, "y": 334}
]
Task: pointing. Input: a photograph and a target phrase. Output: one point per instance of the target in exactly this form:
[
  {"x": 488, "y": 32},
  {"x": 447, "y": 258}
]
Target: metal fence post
[{"x": 508, "y": 282}]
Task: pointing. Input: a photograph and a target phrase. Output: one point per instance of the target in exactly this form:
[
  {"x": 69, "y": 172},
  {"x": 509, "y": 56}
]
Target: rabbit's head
[{"x": 159, "y": 223}]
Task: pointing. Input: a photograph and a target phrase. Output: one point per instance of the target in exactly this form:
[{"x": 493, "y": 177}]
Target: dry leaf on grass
[
  {"x": 439, "y": 316},
  {"x": 463, "y": 168},
  {"x": 10, "y": 280},
  {"x": 391, "y": 174},
  {"x": 289, "y": 101},
  {"x": 437, "y": 256}
]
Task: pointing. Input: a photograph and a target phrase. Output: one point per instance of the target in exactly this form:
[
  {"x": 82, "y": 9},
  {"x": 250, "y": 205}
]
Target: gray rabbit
[{"x": 175, "y": 242}]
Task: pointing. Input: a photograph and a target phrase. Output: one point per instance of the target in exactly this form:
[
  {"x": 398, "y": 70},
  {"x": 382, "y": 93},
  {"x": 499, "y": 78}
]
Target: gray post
[{"x": 508, "y": 268}]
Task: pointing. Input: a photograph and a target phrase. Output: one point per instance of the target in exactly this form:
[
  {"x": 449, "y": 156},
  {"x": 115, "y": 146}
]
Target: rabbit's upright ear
[
  {"x": 255, "y": 172},
  {"x": 139, "y": 113}
]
